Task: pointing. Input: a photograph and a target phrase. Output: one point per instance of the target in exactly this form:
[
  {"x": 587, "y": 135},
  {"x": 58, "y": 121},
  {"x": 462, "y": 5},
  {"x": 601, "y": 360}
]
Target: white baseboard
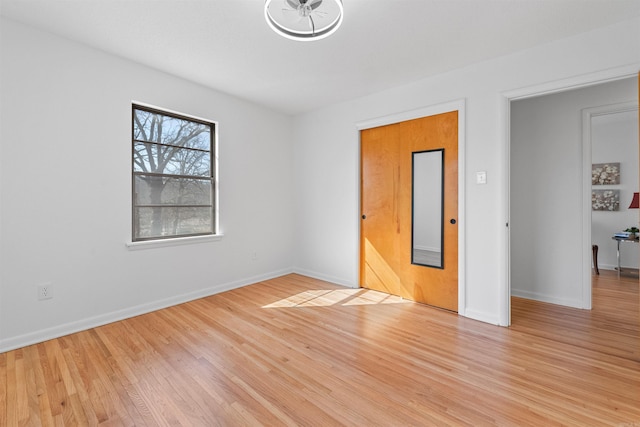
[
  {"x": 568, "y": 302},
  {"x": 481, "y": 316},
  {"x": 615, "y": 267},
  {"x": 103, "y": 319},
  {"x": 325, "y": 277}
]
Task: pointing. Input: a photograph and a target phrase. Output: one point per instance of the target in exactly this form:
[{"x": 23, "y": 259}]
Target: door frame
[
  {"x": 548, "y": 88},
  {"x": 426, "y": 111}
]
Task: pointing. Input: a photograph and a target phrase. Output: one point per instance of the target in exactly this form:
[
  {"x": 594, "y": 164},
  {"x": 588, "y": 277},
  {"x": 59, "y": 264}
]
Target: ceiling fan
[{"x": 304, "y": 19}]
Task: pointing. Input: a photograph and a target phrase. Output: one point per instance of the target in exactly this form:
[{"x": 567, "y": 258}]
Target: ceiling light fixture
[{"x": 304, "y": 19}]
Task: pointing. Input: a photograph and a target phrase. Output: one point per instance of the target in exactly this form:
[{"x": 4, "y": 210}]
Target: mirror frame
[{"x": 413, "y": 186}]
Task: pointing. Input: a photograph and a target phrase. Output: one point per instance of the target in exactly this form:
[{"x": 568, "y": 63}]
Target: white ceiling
[{"x": 226, "y": 44}]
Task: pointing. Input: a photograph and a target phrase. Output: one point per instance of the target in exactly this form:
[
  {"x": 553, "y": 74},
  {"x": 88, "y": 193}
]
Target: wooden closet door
[{"x": 386, "y": 222}]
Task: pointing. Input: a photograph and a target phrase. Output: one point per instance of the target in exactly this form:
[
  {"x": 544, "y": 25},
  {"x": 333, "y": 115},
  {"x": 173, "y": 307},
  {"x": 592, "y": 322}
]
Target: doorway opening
[{"x": 550, "y": 194}]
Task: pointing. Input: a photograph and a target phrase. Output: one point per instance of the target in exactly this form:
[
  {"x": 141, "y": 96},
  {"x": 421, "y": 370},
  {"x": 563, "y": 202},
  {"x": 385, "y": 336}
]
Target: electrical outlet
[{"x": 45, "y": 291}]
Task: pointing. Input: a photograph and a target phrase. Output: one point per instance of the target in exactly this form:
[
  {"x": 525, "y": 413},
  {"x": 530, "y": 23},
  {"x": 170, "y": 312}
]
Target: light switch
[{"x": 481, "y": 177}]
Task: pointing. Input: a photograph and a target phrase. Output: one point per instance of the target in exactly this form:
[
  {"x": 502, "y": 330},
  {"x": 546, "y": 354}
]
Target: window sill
[{"x": 178, "y": 241}]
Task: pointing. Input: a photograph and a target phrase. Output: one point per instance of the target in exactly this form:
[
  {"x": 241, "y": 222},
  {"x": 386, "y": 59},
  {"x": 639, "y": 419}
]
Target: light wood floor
[{"x": 297, "y": 351}]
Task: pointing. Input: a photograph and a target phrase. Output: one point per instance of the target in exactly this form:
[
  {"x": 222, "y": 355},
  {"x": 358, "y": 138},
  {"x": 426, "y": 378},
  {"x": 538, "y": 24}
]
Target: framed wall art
[
  {"x": 605, "y": 174},
  {"x": 605, "y": 200}
]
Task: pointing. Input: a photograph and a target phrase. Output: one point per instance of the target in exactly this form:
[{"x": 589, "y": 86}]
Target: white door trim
[{"x": 459, "y": 106}]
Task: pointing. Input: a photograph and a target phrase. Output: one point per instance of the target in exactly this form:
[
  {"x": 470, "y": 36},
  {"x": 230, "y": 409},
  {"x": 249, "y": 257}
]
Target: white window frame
[{"x": 172, "y": 240}]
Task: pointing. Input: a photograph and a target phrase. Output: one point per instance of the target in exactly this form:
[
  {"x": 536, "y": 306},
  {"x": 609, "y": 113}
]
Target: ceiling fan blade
[
  {"x": 314, "y": 4},
  {"x": 293, "y": 4}
]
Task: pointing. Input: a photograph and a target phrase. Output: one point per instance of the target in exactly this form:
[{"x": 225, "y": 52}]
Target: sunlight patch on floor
[{"x": 345, "y": 297}]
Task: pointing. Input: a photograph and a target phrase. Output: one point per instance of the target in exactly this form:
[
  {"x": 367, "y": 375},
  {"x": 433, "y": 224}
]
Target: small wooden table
[{"x": 623, "y": 240}]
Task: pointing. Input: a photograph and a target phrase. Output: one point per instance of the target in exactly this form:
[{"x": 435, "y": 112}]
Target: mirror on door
[{"x": 427, "y": 208}]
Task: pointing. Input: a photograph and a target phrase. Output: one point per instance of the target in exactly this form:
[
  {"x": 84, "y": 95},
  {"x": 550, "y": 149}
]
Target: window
[{"x": 173, "y": 175}]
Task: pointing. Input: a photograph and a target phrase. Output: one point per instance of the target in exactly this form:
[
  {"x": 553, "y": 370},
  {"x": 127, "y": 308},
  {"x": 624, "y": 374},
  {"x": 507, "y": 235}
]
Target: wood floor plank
[
  {"x": 4, "y": 375},
  {"x": 10, "y": 379},
  {"x": 296, "y": 351}
]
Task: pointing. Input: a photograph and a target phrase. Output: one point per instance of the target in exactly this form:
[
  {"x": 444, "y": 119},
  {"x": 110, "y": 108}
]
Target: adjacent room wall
[
  {"x": 66, "y": 190},
  {"x": 326, "y": 157},
  {"x": 546, "y": 190}
]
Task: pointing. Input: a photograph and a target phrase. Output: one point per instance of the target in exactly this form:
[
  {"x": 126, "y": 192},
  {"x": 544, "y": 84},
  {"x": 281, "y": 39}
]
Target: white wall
[
  {"x": 326, "y": 156},
  {"x": 65, "y": 190},
  {"x": 546, "y": 189}
]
